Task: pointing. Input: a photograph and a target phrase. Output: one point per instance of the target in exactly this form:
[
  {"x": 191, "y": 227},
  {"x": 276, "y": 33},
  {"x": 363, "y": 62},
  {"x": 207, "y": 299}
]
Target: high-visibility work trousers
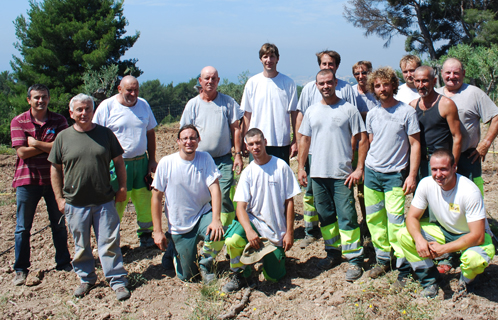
[
  {"x": 273, "y": 262},
  {"x": 473, "y": 260},
  {"x": 136, "y": 169},
  {"x": 473, "y": 171},
  {"x": 385, "y": 205},
  {"x": 338, "y": 218},
  {"x": 310, "y": 216}
]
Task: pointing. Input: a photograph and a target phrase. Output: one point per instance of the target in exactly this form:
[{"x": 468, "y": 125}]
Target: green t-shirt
[{"x": 85, "y": 157}]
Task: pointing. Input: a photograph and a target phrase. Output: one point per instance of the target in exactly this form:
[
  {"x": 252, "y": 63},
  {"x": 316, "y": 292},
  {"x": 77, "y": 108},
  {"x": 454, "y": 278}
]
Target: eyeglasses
[{"x": 358, "y": 73}]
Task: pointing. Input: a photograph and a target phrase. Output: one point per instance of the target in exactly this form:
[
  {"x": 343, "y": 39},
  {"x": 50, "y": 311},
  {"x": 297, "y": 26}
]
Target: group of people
[{"x": 386, "y": 139}]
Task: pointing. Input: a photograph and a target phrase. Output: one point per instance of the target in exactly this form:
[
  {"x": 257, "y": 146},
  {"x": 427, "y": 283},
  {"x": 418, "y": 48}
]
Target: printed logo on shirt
[
  {"x": 454, "y": 207},
  {"x": 51, "y": 131}
]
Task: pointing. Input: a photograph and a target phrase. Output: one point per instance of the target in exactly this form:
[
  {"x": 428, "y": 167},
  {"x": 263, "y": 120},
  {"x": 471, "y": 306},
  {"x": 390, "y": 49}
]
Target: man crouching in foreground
[
  {"x": 189, "y": 180},
  {"x": 458, "y": 206},
  {"x": 265, "y": 207}
]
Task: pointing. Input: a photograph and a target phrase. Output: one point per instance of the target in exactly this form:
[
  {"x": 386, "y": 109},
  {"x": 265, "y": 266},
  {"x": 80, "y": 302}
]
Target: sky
[{"x": 179, "y": 38}]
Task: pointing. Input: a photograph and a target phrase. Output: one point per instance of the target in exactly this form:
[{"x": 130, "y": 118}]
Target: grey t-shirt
[
  {"x": 85, "y": 157},
  {"x": 331, "y": 128},
  {"x": 473, "y": 105},
  {"x": 365, "y": 102},
  {"x": 310, "y": 94},
  {"x": 390, "y": 147},
  {"x": 213, "y": 120}
]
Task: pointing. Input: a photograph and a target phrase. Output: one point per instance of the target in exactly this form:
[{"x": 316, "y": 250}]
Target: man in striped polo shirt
[{"x": 32, "y": 134}]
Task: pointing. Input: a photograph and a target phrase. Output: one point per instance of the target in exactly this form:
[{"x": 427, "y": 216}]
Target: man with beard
[
  {"x": 438, "y": 119},
  {"x": 407, "y": 92},
  {"x": 391, "y": 169}
]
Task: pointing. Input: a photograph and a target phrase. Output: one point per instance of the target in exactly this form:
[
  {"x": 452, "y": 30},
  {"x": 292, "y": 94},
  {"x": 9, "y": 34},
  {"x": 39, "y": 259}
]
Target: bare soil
[{"x": 305, "y": 293}]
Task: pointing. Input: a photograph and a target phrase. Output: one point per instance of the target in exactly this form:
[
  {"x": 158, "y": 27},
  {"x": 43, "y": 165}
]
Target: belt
[{"x": 136, "y": 158}]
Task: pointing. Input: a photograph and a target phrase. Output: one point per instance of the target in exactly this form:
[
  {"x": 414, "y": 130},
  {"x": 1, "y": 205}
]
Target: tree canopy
[
  {"x": 61, "y": 39},
  {"x": 427, "y": 23}
]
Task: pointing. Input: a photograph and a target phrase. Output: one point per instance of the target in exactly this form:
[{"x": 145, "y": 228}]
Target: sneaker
[
  {"x": 20, "y": 278},
  {"x": 122, "y": 293},
  {"x": 146, "y": 240},
  {"x": 377, "y": 271},
  {"x": 207, "y": 277},
  {"x": 443, "y": 268},
  {"x": 430, "y": 291},
  {"x": 354, "y": 273},
  {"x": 83, "y": 289},
  {"x": 308, "y": 239},
  {"x": 326, "y": 263},
  {"x": 236, "y": 283}
]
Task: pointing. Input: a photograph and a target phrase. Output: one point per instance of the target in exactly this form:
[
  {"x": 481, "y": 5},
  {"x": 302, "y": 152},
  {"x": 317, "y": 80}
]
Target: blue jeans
[
  {"x": 27, "y": 200},
  {"x": 105, "y": 221}
]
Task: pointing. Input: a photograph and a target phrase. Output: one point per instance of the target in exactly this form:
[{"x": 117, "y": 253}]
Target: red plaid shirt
[{"x": 34, "y": 170}]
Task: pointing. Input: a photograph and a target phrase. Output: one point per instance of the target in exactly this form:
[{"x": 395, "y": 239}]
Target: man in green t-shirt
[{"x": 80, "y": 159}]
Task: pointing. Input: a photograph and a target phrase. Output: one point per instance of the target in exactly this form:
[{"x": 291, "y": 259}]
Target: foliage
[
  {"x": 235, "y": 90},
  {"x": 425, "y": 23},
  {"x": 101, "y": 84},
  {"x": 61, "y": 39},
  {"x": 481, "y": 64}
]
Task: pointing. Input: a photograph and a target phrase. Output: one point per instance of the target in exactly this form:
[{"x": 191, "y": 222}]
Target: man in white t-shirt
[
  {"x": 458, "y": 207},
  {"x": 328, "y": 127},
  {"x": 473, "y": 105},
  {"x": 269, "y": 98},
  {"x": 310, "y": 95},
  {"x": 132, "y": 121},
  {"x": 189, "y": 182},
  {"x": 265, "y": 207},
  {"x": 407, "y": 92},
  {"x": 217, "y": 116}
]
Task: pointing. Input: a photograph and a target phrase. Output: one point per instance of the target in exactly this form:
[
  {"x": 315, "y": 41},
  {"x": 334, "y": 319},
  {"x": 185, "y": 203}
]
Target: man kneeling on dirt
[
  {"x": 189, "y": 180},
  {"x": 458, "y": 206},
  {"x": 265, "y": 207},
  {"x": 84, "y": 193}
]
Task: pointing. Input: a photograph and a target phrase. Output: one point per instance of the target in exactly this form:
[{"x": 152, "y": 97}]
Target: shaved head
[
  {"x": 128, "y": 91},
  {"x": 209, "y": 82},
  {"x": 453, "y": 62},
  {"x": 209, "y": 70}
]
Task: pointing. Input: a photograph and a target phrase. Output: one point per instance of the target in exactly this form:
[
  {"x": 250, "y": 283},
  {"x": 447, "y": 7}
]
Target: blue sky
[{"x": 179, "y": 38}]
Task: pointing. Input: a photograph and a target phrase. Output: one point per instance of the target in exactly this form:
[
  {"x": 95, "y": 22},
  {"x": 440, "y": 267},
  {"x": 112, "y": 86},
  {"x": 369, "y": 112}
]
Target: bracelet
[
  {"x": 240, "y": 152},
  {"x": 301, "y": 169}
]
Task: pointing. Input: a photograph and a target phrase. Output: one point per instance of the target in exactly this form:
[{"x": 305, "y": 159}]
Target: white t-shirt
[
  {"x": 473, "y": 104},
  {"x": 391, "y": 127},
  {"x": 265, "y": 189},
  {"x": 365, "y": 102},
  {"x": 310, "y": 95},
  {"x": 270, "y": 101},
  {"x": 129, "y": 124},
  {"x": 331, "y": 128},
  {"x": 453, "y": 209},
  {"x": 186, "y": 187},
  {"x": 406, "y": 94},
  {"x": 213, "y": 120}
]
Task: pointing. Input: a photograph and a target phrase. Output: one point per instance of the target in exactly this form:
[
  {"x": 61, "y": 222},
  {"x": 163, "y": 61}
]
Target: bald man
[
  {"x": 217, "y": 116},
  {"x": 132, "y": 121}
]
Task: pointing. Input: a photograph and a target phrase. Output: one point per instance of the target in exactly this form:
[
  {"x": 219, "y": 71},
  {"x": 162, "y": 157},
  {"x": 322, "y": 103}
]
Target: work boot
[
  {"x": 377, "y": 271},
  {"x": 354, "y": 273},
  {"x": 237, "y": 282},
  {"x": 146, "y": 240},
  {"x": 122, "y": 293},
  {"x": 207, "y": 277},
  {"x": 308, "y": 239},
  {"x": 329, "y": 261},
  {"x": 83, "y": 289},
  {"x": 430, "y": 291},
  {"x": 20, "y": 278}
]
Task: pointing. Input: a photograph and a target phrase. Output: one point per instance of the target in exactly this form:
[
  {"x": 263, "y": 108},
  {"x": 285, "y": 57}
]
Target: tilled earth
[{"x": 305, "y": 293}]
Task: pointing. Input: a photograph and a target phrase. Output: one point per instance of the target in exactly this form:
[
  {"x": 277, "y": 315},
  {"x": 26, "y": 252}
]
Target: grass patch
[
  {"x": 207, "y": 303},
  {"x": 374, "y": 299},
  {"x": 7, "y": 150}
]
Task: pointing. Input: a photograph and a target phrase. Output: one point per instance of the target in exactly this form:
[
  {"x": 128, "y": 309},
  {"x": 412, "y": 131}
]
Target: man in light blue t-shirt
[{"x": 328, "y": 127}]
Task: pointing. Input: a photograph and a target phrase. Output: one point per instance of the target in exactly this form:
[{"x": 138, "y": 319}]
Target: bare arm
[
  {"x": 56, "y": 179},
  {"x": 483, "y": 146},
  {"x": 27, "y": 152},
  {"x": 151, "y": 150},
  {"x": 449, "y": 111},
  {"x": 238, "y": 163},
  {"x": 288, "y": 240},
  {"x": 304, "y": 148},
  {"x": 243, "y": 218},
  {"x": 299, "y": 120},
  {"x": 121, "y": 175},
  {"x": 293, "y": 147},
  {"x": 357, "y": 175},
  {"x": 40, "y": 145},
  {"x": 410, "y": 183},
  {"x": 156, "y": 213},
  {"x": 413, "y": 225},
  {"x": 245, "y": 128},
  {"x": 475, "y": 237},
  {"x": 215, "y": 228}
]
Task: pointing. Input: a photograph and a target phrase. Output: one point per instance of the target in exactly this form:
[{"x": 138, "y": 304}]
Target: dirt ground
[{"x": 305, "y": 293}]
